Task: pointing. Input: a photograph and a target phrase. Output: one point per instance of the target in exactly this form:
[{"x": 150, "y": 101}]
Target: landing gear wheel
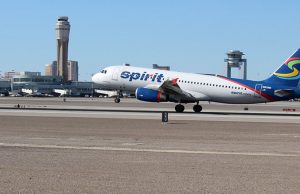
[
  {"x": 117, "y": 100},
  {"x": 179, "y": 108},
  {"x": 197, "y": 108}
]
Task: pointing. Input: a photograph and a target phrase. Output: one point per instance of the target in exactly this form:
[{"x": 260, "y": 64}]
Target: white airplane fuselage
[{"x": 202, "y": 87}]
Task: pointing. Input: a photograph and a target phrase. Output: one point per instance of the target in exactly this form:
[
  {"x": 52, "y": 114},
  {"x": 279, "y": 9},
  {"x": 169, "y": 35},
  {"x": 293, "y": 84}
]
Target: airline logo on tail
[{"x": 294, "y": 72}]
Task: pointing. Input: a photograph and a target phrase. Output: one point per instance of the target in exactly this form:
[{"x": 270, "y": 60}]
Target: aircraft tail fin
[{"x": 287, "y": 74}]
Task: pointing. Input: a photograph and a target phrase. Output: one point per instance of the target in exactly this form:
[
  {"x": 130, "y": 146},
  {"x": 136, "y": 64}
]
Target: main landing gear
[
  {"x": 180, "y": 108},
  {"x": 197, "y": 108}
]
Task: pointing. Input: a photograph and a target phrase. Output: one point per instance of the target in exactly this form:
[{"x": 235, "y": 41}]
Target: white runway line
[
  {"x": 16, "y": 145},
  {"x": 150, "y": 115}
]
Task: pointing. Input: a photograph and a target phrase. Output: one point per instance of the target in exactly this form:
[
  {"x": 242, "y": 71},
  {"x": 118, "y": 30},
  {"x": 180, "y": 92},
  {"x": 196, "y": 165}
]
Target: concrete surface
[
  {"x": 108, "y": 103},
  {"x": 71, "y": 153}
]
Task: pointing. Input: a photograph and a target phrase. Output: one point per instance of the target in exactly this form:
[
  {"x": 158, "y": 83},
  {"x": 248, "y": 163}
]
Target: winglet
[{"x": 174, "y": 81}]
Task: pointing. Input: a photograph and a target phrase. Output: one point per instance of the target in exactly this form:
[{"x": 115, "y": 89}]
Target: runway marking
[
  {"x": 17, "y": 145},
  {"x": 150, "y": 115}
]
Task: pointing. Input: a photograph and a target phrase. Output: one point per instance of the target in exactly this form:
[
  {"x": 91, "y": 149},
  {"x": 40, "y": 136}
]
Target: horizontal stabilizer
[{"x": 284, "y": 92}]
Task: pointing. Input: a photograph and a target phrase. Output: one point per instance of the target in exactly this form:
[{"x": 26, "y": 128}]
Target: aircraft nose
[{"x": 95, "y": 78}]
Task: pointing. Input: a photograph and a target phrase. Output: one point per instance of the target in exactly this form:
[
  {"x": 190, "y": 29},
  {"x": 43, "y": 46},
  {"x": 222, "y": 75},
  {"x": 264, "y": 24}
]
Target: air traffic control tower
[{"x": 62, "y": 36}]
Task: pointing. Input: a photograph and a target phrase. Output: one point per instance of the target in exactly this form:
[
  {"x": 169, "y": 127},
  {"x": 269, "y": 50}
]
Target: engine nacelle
[{"x": 149, "y": 95}]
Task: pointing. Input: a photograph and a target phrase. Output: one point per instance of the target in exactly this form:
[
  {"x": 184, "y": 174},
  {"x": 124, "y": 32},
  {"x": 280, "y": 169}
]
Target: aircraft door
[
  {"x": 115, "y": 74},
  {"x": 258, "y": 88}
]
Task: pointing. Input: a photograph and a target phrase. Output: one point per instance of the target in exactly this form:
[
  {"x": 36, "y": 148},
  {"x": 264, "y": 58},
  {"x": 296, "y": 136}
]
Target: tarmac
[{"x": 114, "y": 151}]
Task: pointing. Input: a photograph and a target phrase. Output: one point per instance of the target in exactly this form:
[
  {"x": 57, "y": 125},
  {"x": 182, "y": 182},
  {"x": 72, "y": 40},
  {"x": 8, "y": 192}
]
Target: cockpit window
[{"x": 104, "y": 71}]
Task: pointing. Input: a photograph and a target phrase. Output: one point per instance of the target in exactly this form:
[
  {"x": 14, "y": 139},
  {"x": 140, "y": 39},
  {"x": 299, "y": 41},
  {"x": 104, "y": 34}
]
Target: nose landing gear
[
  {"x": 119, "y": 95},
  {"x": 117, "y": 100}
]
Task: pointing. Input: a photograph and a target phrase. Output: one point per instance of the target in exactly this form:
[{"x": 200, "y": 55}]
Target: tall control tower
[{"x": 62, "y": 36}]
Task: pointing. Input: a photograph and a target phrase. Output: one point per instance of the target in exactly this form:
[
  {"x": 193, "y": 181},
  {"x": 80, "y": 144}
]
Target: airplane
[
  {"x": 154, "y": 85},
  {"x": 32, "y": 92},
  {"x": 107, "y": 93}
]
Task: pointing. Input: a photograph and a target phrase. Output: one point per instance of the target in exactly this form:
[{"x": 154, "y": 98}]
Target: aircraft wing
[
  {"x": 177, "y": 94},
  {"x": 171, "y": 87}
]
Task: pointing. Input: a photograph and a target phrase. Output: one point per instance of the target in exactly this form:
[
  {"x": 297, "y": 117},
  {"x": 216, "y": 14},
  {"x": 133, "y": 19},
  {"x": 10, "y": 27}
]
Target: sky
[{"x": 188, "y": 35}]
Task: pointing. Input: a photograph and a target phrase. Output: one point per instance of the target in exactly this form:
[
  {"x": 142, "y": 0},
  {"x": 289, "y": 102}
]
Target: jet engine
[{"x": 150, "y": 95}]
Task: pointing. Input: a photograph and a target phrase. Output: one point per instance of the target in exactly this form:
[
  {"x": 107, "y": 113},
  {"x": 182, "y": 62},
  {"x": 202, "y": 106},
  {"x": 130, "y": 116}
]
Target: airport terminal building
[{"x": 45, "y": 85}]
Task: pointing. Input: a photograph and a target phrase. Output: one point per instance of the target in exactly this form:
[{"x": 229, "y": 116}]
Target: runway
[
  {"x": 281, "y": 112},
  {"x": 57, "y": 151},
  {"x": 154, "y": 115},
  {"x": 146, "y": 150}
]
